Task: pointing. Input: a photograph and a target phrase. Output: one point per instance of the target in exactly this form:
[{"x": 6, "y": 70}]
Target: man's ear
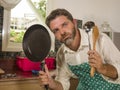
[{"x": 75, "y": 22}]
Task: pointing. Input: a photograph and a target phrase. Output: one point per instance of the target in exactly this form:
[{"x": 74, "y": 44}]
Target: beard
[{"x": 69, "y": 41}]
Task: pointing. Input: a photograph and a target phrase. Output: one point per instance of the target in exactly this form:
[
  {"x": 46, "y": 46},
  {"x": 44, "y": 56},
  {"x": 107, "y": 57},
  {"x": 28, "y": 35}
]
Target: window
[{"x": 18, "y": 19}]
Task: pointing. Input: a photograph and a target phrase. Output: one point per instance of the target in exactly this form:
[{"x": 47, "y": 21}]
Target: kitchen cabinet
[{"x": 33, "y": 84}]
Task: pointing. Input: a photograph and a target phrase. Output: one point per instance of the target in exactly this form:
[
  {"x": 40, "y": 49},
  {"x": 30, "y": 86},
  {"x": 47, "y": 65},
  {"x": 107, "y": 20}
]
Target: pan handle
[{"x": 43, "y": 69}]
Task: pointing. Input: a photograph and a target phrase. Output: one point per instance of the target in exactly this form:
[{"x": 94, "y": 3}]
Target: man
[{"x": 74, "y": 58}]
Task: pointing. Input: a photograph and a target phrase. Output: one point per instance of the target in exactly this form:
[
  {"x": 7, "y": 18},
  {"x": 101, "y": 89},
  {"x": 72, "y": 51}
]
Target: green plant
[
  {"x": 16, "y": 36},
  {"x": 12, "y": 33},
  {"x": 19, "y": 37},
  {"x": 41, "y": 7}
]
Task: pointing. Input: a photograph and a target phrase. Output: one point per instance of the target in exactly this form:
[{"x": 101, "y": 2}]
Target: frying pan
[{"x": 36, "y": 43}]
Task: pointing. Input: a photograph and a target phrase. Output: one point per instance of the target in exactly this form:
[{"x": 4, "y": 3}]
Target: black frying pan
[{"x": 36, "y": 43}]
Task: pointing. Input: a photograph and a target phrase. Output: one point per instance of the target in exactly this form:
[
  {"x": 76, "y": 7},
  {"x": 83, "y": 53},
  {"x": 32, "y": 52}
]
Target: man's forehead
[{"x": 58, "y": 21}]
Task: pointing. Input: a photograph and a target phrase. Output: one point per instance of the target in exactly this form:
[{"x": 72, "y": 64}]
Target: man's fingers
[{"x": 47, "y": 71}]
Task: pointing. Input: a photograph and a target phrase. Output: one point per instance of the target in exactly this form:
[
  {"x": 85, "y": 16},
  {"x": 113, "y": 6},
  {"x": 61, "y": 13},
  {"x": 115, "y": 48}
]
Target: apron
[{"x": 86, "y": 82}]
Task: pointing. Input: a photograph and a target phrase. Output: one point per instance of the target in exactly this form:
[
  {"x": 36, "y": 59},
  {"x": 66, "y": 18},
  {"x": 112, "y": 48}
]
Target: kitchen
[{"x": 86, "y": 13}]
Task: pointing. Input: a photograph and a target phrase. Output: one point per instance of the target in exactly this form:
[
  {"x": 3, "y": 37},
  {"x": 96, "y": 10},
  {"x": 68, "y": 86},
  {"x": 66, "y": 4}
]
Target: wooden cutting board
[{"x": 2, "y": 71}]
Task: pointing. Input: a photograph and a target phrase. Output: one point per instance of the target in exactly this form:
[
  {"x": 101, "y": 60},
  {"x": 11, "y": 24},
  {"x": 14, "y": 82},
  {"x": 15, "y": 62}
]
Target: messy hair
[{"x": 58, "y": 12}]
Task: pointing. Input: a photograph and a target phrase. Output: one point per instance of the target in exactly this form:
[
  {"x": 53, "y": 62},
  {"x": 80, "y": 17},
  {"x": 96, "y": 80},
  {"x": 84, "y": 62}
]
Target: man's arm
[
  {"x": 106, "y": 69},
  {"x": 109, "y": 71},
  {"x": 55, "y": 85}
]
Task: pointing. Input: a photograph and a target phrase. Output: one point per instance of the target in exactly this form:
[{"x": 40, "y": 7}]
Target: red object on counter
[
  {"x": 51, "y": 63},
  {"x": 27, "y": 65}
]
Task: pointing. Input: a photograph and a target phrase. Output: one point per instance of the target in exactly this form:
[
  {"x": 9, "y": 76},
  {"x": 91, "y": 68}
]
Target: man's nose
[{"x": 62, "y": 32}]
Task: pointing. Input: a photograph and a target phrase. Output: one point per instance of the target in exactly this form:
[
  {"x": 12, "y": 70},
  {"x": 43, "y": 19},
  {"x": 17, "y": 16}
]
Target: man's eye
[
  {"x": 65, "y": 24},
  {"x": 55, "y": 31}
]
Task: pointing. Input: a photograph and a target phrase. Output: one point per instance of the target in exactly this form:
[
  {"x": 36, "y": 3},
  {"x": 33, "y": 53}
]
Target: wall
[{"x": 95, "y": 10}]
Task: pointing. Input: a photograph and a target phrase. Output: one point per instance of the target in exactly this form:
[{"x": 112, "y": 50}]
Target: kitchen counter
[
  {"x": 21, "y": 81},
  {"x": 27, "y": 81},
  {"x": 12, "y": 72},
  {"x": 18, "y": 75},
  {"x": 16, "y": 79}
]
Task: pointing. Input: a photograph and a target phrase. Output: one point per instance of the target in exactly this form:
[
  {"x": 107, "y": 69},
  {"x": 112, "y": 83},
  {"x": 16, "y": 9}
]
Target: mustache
[{"x": 67, "y": 37}]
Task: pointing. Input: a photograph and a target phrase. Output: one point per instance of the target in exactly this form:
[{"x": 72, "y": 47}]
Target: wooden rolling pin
[{"x": 95, "y": 37}]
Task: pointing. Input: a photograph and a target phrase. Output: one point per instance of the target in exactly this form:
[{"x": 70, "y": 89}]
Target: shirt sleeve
[
  {"x": 63, "y": 77},
  {"x": 111, "y": 55},
  {"x": 63, "y": 72}
]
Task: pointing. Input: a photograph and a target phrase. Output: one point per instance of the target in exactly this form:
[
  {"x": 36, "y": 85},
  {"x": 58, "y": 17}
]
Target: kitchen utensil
[
  {"x": 87, "y": 31},
  {"x": 95, "y": 38},
  {"x": 88, "y": 27},
  {"x": 37, "y": 44}
]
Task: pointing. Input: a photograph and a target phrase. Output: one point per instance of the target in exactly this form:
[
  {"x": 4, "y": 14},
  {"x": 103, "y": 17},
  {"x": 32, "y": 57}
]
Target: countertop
[
  {"x": 22, "y": 75},
  {"x": 19, "y": 75},
  {"x": 10, "y": 67}
]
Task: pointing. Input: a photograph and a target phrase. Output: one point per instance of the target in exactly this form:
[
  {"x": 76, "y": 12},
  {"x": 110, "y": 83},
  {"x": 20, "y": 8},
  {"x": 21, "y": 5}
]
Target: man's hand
[
  {"x": 46, "y": 79},
  {"x": 44, "y": 76},
  {"x": 96, "y": 61}
]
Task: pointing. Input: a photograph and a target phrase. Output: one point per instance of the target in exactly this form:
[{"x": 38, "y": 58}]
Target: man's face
[{"x": 63, "y": 29}]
